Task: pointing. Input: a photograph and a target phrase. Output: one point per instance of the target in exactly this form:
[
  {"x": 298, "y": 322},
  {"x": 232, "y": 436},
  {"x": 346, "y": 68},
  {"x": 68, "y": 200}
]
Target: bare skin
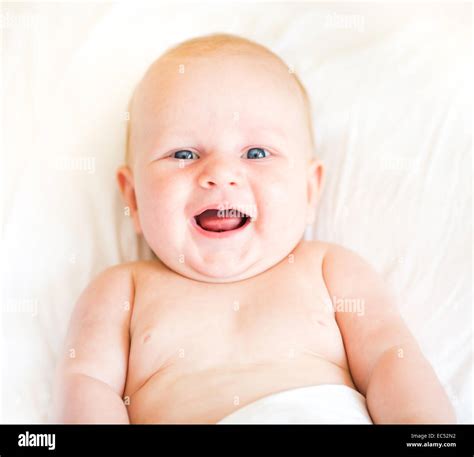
[
  {"x": 198, "y": 355},
  {"x": 218, "y": 323},
  {"x": 152, "y": 346}
]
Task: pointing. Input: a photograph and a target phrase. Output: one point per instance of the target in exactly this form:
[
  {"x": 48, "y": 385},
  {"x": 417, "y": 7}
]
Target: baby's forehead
[
  {"x": 197, "y": 80},
  {"x": 250, "y": 68},
  {"x": 213, "y": 51},
  {"x": 218, "y": 88}
]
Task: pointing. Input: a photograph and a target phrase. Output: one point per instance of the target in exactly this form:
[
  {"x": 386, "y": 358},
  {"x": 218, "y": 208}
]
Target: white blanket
[
  {"x": 391, "y": 92},
  {"x": 323, "y": 404}
]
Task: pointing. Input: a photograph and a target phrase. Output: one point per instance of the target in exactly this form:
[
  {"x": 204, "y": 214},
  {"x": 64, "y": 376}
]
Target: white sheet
[
  {"x": 323, "y": 404},
  {"x": 391, "y": 93}
]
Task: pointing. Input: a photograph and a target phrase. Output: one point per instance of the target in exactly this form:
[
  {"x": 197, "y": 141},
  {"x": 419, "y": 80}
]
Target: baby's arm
[
  {"x": 385, "y": 360},
  {"x": 91, "y": 374}
]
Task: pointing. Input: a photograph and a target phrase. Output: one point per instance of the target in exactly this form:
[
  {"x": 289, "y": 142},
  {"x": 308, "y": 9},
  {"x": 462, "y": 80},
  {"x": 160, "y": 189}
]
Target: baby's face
[{"x": 222, "y": 174}]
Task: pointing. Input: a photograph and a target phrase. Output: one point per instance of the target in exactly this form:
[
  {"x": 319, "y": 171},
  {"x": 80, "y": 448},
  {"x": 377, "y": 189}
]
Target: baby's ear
[
  {"x": 127, "y": 189},
  {"x": 315, "y": 186}
]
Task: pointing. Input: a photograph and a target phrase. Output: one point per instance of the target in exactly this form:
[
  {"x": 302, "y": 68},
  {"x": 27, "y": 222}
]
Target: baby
[{"x": 221, "y": 182}]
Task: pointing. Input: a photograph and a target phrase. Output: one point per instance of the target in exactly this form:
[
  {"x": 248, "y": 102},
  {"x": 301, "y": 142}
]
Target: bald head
[{"x": 161, "y": 76}]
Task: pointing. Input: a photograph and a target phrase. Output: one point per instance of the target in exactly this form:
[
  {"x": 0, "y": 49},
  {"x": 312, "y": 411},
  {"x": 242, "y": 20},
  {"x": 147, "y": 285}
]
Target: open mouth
[{"x": 214, "y": 220}]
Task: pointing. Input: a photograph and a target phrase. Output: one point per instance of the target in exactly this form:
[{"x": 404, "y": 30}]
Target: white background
[{"x": 391, "y": 87}]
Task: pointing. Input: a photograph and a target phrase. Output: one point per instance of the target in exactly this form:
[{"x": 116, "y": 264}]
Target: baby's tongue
[{"x": 214, "y": 222}]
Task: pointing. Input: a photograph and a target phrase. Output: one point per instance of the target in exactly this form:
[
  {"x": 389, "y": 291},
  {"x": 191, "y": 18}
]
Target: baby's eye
[
  {"x": 256, "y": 153},
  {"x": 185, "y": 155}
]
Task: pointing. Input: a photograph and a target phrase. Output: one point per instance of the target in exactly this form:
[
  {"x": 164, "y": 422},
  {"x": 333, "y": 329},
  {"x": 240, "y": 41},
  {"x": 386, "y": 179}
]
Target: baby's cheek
[
  {"x": 283, "y": 192},
  {"x": 162, "y": 201},
  {"x": 283, "y": 205}
]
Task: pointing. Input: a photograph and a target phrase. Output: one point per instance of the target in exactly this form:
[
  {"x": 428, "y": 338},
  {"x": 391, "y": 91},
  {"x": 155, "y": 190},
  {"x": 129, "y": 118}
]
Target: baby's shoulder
[
  {"x": 323, "y": 256},
  {"x": 321, "y": 250},
  {"x": 315, "y": 250},
  {"x": 125, "y": 273},
  {"x": 143, "y": 268}
]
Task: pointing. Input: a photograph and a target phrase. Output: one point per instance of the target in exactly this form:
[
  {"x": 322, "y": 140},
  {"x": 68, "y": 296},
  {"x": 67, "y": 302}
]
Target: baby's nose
[{"x": 219, "y": 175}]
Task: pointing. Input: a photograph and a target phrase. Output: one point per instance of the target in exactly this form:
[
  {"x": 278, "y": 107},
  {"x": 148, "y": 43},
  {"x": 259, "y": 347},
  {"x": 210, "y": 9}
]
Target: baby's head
[{"x": 220, "y": 175}]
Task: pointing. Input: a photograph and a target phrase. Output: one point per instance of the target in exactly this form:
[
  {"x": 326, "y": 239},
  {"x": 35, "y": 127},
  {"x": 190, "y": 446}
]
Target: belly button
[{"x": 146, "y": 338}]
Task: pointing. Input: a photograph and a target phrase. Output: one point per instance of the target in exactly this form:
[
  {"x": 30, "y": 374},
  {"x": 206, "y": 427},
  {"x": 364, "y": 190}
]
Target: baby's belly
[{"x": 209, "y": 395}]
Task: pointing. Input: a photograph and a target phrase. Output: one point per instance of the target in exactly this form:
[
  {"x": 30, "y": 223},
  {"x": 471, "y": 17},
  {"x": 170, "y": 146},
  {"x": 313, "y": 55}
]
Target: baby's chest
[{"x": 197, "y": 328}]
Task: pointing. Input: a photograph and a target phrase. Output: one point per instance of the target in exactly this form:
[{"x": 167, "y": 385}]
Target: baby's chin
[
  {"x": 226, "y": 270},
  {"x": 227, "y": 260},
  {"x": 220, "y": 266}
]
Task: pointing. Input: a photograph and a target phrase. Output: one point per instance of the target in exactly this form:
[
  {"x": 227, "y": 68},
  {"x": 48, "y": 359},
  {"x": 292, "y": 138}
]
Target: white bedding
[
  {"x": 322, "y": 404},
  {"x": 391, "y": 96}
]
